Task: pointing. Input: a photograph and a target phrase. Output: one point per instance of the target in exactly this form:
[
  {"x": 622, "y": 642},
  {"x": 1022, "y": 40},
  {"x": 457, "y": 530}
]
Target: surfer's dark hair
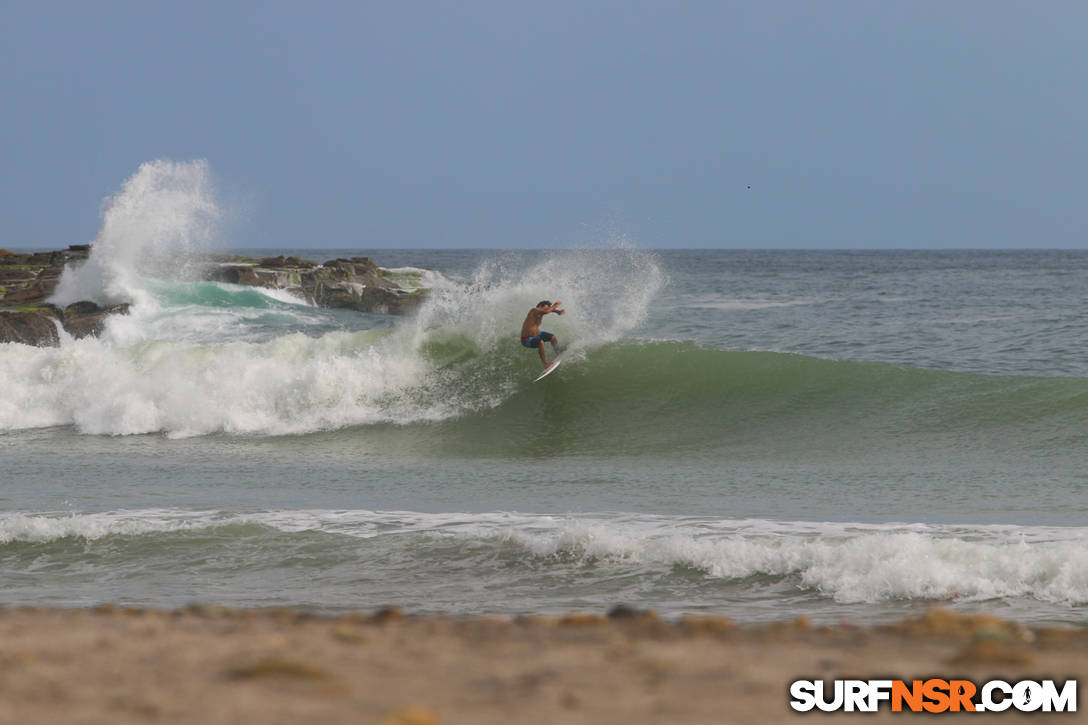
[{"x": 544, "y": 302}]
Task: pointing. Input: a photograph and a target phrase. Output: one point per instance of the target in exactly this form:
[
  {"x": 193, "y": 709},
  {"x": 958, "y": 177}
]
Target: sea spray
[
  {"x": 606, "y": 291},
  {"x": 462, "y": 351},
  {"x": 163, "y": 214},
  {"x": 468, "y": 333}
]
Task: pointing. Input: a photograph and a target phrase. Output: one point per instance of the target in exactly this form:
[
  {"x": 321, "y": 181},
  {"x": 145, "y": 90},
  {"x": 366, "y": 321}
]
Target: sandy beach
[{"x": 215, "y": 665}]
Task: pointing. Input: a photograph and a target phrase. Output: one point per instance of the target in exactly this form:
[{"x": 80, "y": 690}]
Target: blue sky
[{"x": 946, "y": 124}]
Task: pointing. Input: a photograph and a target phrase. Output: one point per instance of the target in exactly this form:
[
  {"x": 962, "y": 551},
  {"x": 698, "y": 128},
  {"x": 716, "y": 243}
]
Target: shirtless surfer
[{"x": 531, "y": 335}]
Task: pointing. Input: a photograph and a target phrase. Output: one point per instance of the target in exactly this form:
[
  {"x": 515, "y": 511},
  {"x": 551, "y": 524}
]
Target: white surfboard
[{"x": 553, "y": 366}]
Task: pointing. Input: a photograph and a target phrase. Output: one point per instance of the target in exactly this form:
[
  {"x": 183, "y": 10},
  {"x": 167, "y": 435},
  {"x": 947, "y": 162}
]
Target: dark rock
[
  {"x": 38, "y": 326},
  {"x": 235, "y": 275},
  {"x": 16, "y": 274},
  {"x": 81, "y": 319},
  {"x": 303, "y": 263},
  {"x": 28, "y": 328},
  {"x": 348, "y": 282},
  {"x": 12, "y": 258},
  {"x": 353, "y": 265},
  {"x": 282, "y": 261},
  {"x": 84, "y": 307},
  {"x": 30, "y": 278},
  {"x": 389, "y": 301},
  {"x": 35, "y": 291},
  {"x": 279, "y": 278},
  {"x": 624, "y": 611}
]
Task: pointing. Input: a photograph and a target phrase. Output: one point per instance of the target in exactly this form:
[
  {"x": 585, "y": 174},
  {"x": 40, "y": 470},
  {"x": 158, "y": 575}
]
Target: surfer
[{"x": 531, "y": 334}]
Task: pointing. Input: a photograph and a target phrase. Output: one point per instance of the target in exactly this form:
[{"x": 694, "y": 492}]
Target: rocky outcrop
[
  {"x": 29, "y": 328},
  {"x": 27, "y": 280},
  {"x": 355, "y": 283},
  {"x": 81, "y": 319},
  {"x": 37, "y": 325}
]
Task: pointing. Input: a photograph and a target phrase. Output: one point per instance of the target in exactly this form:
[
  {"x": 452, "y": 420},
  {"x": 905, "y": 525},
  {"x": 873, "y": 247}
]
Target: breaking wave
[{"x": 841, "y": 563}]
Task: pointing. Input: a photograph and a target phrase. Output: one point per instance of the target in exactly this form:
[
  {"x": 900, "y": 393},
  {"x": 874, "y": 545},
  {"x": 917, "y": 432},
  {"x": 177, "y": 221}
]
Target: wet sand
[{"x": 214, "y": 665}]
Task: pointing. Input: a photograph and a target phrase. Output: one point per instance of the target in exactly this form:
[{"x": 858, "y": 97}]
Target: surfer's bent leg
[
  {"x": 547, "y": 337},
  {"x": 538, "y": 341}
]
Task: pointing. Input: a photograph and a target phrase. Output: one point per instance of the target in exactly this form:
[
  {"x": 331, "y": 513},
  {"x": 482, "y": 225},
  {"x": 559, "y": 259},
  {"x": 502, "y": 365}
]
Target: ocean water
[{"x": 761, "y": 434}]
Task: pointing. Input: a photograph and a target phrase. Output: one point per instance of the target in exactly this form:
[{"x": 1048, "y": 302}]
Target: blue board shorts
[{"x": 535, "y": 340}]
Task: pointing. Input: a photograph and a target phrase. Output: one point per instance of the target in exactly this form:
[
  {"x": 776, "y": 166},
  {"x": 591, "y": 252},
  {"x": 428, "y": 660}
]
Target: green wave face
[
  {"x": 665, "y": 398},
  {"x": 215, "y": 294}
]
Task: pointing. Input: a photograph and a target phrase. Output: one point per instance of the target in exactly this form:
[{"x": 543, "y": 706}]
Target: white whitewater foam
[
  {"x": 847, "y": 562},
  {"x": 129, "y": 383},
  {"x": 292, "y": 384},
  {"x": 279, "y": 295},
  {"x": 44, "y": 528},
  {"x": 154, "y": 371}
]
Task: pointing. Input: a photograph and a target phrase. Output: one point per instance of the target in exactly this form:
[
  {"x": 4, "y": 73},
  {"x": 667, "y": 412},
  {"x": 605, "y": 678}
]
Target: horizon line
[{"x": 31, "y": 249}]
